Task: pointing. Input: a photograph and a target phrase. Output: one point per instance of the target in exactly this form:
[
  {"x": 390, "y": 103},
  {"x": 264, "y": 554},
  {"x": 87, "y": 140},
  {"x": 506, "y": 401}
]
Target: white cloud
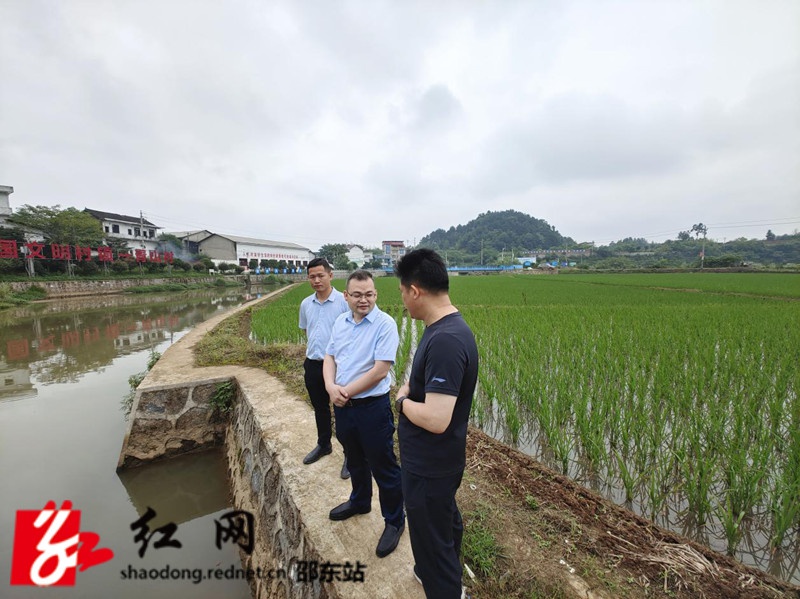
[{"x": 360, "y": 121}]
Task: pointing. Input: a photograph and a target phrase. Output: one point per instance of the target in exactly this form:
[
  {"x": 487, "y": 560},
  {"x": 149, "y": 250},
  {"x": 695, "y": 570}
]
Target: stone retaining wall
[
  {"x": 170, "y": 421},
  {"x": 79, "y": 287},
  {"x": 82, "y": 287},
  {"x": 260, "y": 487},
  {"x": 266, "y": 435}
]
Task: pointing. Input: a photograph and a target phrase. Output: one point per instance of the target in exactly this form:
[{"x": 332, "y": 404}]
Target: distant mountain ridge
[
  {"x": 500, "y": 237},
  {"x": 497, "y": 231}
]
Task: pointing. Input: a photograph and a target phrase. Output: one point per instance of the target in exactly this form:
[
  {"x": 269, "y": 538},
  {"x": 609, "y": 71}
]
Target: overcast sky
[{"x": 324, "y": 122}]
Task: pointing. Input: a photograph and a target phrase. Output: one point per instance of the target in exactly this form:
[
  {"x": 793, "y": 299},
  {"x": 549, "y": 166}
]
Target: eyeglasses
[{"x": 368, "y": 295}]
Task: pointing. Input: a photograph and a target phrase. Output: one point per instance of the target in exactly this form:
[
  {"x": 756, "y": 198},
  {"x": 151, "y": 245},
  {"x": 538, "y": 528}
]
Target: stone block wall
[
  {"x": 259, "y": 486},
  {"x": 82, "y": 287},
  {"x": 170, "y": 421},
  {"x": 266, "y": 435}
]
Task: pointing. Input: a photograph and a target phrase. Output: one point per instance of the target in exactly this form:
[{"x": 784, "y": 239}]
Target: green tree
[
  {"x": 341, "y": 262},
  {"x": 169, "y": 243},
  {"x": 770, "y": 235},
  {"x": 70, "y": 226},
  {"x": 117, "y": 245},
  {"x": 332, "y": 251},
  {"x": 724, "y": 261},
  {"x": 12, "y": 265},
  {"x": 699, "y": 229}
]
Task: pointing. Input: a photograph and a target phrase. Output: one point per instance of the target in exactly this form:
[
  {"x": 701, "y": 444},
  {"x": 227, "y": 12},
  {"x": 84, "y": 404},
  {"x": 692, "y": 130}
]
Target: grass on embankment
[
  {"x": 229, "y": 344},
  {"x": 10, "y": 298}
]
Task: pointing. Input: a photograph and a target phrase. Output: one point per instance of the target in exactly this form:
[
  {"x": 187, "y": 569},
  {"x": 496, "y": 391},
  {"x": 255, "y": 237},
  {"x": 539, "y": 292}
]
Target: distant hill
[{"x": 496, "y": 231}]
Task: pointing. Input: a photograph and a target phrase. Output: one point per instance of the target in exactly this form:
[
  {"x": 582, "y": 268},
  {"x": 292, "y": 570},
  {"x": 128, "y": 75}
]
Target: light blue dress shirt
[
  {"x": 357, "y": 346},
  {"x": 317, "y": 319}
]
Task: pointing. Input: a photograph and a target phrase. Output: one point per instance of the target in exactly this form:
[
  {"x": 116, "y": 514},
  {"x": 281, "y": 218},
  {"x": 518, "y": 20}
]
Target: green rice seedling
[
  {"x": 731, "y": 521},
  {"x": 785, "y": 511},
  {"x": 680, "y": 390},
  {"x": 627, "y": 477},
  {"x": 785, "y": 506},
  {"x": 403, "y": 351}
]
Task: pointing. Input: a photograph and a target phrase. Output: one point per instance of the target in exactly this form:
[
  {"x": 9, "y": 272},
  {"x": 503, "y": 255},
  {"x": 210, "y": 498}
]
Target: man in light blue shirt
[
  {"x": 358, "y": 358},
  {"x": 317, "y": 314}
]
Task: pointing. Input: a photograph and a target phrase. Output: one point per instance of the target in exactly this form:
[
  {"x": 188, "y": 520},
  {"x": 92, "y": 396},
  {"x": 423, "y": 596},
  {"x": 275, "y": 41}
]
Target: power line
[
  {"x": 734, "y": 225},
  {"x": 769, "y": 222}
]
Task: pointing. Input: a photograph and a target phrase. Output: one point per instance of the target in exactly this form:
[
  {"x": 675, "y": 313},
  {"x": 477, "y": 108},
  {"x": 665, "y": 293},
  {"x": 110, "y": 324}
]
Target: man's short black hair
[
  {"x": 359, "y": 275},
  {"x": 319, "y": 262},
  {"x": 425, "y": 269}
]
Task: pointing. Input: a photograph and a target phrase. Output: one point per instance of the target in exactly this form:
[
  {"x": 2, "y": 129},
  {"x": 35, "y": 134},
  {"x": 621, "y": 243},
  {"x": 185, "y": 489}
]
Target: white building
[
  {"x": 392, "y": 252},
  {"x": 137, "y": 232},
  {"x": 241, "y": 250},
  {"x": 355, "y": 253},
  {"x": 5, "y": 206}
]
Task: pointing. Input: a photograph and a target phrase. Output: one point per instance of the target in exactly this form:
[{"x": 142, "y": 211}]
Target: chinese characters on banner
[{"x": 9, "y": 248}]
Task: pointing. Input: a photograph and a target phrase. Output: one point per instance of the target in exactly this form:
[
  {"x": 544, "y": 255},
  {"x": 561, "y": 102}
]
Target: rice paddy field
[{"x": 675, "y": 395}]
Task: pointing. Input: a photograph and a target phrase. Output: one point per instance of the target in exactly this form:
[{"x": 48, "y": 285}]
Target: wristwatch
[{"x": 398, "y": 403}]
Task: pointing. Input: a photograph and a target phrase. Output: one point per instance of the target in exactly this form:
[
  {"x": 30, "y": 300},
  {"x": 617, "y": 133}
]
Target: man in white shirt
[
  {"x": 317, "y": 314},
  {"x": 358, "y": 358}
]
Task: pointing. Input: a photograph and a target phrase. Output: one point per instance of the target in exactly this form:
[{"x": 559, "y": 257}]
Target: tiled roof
[{"x": 134, "y": 220}]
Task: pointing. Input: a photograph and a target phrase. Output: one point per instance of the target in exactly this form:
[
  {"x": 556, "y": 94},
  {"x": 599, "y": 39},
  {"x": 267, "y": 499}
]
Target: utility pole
[
  {"x": 698, "y": 229},
  {"x": 28, "y": 259},
  {"x": 141, "y": 240}
]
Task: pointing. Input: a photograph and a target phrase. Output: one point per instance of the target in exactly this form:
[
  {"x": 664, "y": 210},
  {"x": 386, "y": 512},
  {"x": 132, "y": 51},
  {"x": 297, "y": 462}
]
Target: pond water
[
  {"x": 64, "y": 368},
  {"x": 753, "y": 550}
]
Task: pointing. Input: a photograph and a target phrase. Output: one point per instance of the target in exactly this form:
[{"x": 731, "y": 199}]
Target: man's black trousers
[
  {"x": 435, "y": 529},
  {"x": 320, "y": 400},
  {"x": 366, "y": 431}
]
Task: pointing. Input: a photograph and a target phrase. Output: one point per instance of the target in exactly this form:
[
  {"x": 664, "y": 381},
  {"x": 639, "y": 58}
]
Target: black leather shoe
[
  {"x": 317, "y": 453},
  {"x": 389, "y": 539},
  {"x": 345, "y": 473},
  {"x": 345, "y": 510}
]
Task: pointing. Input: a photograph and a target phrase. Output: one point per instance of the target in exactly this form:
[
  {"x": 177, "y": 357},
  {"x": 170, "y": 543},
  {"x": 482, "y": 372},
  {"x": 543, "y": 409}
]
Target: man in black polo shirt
[{"x": 433, "y": 407}]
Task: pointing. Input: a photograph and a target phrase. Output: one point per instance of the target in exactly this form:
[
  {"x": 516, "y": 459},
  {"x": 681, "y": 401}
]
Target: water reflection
[
  {"x": 64, "y": 368},
  {"x": 183, "y": 488},
  {"x": 58, "y": 342},
  {"x": 674, "y": 514}
]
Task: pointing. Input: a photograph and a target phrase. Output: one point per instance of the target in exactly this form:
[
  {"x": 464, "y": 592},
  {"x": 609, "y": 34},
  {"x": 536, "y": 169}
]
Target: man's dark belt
[{"x": 362, "y": 401}]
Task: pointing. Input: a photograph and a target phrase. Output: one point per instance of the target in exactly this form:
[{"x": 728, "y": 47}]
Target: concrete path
[{"x": 287, "y": 427}]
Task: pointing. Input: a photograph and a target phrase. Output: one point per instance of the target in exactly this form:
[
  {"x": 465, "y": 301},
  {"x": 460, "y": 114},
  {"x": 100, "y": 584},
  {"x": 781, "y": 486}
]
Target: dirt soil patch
[{"x": 558, "y": 539}]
